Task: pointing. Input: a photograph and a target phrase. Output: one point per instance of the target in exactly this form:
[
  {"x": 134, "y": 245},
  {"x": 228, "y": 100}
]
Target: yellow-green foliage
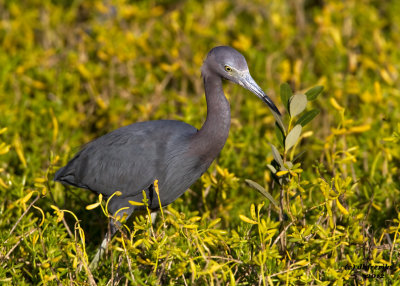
[{"x": 71, "y": 71}]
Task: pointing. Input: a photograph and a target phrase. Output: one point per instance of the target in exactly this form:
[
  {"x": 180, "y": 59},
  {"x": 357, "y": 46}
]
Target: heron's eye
[{"x": 228, "y": 68}]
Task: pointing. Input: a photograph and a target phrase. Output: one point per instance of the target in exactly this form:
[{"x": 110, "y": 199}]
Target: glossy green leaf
[
  {"x": 307, "y": 117},
  {"x": 286, "y": 94},
  {"x": 314, "y": 92}
]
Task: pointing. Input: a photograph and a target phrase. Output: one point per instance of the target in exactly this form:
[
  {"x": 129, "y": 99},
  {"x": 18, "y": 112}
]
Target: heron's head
[{"x": 229, "y": 64}]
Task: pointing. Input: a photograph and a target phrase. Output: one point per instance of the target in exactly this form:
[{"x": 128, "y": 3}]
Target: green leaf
[
  {"x": 286, "y": 94},
  {"x": 271, "y": 168},
  {"x": 314, "y": 92},
  {"x": 278, "y": 120},
  {"x": 307, "y": 117},
  {"x": 279, "y": 134},
  {"x": 298, "y": 156},
  {"x": 292, "y": 137},
  {"x": 297, "y": 104},
  {"x": 276, "y": 155},
  {"x": 289, "y": 165},
  {"x": 263, "y": 191}
]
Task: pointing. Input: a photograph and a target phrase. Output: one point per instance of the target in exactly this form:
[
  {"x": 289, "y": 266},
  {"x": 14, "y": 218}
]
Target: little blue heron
[{"x": 131, "y": 158}]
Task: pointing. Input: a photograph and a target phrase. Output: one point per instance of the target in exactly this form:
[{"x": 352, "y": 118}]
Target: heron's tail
[{"x": 58, "y": 175}]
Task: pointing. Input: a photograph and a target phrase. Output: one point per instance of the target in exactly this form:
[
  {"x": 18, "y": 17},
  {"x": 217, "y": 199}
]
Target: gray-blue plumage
[{"x": 130, "y": 158}]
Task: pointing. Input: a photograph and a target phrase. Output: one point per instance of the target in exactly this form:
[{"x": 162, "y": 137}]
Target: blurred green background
[{"x": 71, "y": 71}]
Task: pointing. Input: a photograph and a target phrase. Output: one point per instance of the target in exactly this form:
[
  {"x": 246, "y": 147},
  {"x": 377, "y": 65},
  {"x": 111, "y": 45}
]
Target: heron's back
[{"x": 130, "y": 158}]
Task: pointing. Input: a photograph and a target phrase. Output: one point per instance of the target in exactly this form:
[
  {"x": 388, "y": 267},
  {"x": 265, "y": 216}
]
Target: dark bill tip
[
  {"x": 270, "y": 103},
  {"x": 251, "y": 85}
]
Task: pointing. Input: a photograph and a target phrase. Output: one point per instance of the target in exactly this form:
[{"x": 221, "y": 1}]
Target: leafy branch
[{"x": 285, "y": 167}]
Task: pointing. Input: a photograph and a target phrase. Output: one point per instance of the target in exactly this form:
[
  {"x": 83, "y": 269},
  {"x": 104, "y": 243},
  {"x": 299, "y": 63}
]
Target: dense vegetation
[{"x": 71, "y": 71}]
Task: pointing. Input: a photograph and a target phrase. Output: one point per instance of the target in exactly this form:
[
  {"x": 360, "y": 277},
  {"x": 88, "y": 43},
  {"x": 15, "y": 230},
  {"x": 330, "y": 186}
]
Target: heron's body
[
  {"x": 129, "y": 159},
  {"x": 120, "y": 161}
]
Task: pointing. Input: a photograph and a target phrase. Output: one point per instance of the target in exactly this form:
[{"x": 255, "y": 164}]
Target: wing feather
[{"x": 127, "y": 159}]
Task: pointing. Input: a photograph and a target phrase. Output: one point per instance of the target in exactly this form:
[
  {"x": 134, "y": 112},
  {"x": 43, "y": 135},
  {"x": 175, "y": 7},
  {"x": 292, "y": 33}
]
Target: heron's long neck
[{"x": 212, "y": 136}]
